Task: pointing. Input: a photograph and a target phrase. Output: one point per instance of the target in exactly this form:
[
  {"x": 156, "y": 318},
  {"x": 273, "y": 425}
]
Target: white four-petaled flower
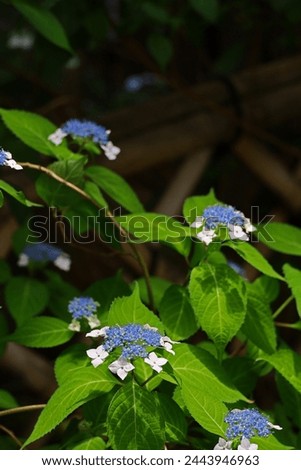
[
  {"x": 96, "y": 333},
  {"x": 121, "y": 367},
  {"x": 110, "y": 150},
  {"x": 97, "y": 355},
  {"x": 245, "y": 444},
  {"x": 57, "y": 136},
  {"x": 155, "y": 362},
  {"x": 223, "y": 444},
  {"x": 206, "y": 236}
]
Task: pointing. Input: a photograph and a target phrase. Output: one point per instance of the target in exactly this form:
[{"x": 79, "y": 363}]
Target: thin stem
[
  {"x": 286, "y": 325},
  {"x": 11, "y": 435},
  {"x": 282, "y": 306},
  {"x": 20, "y": 409},
  {"x": 109, "y": 214}
]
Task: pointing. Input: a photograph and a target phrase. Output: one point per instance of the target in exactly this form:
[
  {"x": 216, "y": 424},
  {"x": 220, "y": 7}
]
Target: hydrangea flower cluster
[
  {"x": 243, "y": 425},
  {"x": 86, "y": 129},
  {"x": 133, "y": 341},
  {"x": 220, "y": 215},
  {"x": 83, "y": 308},
  {"x": 44, "y": 252},
  {"x": 6, "y": 159}
]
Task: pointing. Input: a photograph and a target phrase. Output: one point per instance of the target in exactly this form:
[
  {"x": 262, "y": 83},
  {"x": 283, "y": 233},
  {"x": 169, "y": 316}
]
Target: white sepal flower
[
  {"x": 97, "y": 355},
  {"x": 23, "y": 260},
  {"x": 57, "y": 136},
  {"x": 245, "y": 444},
  {"x": 236, "y": 233},
  {"x": 223, "y": 444},
  {"x": 121, "y": 367},
  {"x": 275, "y": 426},
  {"x": 155, "y": 362},
  {"x": 63, "y": 262},
  {"x": 167, "y": 343},
  {"x": 13, "y": 164},
  {"x": 206, "y": 235},
  {"x": 96, "y": 333},
  {"x": 199, "y": 222},
  {"x": 110, "y": 150},
  {"x": 74, "y": 325},
  {"x": 93, "y": 321},
  {"x": 248, "y": 226}
]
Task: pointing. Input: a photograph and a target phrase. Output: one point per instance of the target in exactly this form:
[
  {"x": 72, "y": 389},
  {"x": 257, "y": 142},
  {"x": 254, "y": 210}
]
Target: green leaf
[
  {"x": 283, "y": 238},
  {"x": 135, "y": 421},
  {"x": 7, "y": 400},
  {"x": 130, "y": 309},
  {"x": 61, "y": 292},
  {"x": 198, "y": 370},
  {"x": 69, "y": 361},
  {"x": 194, "y": 206},
  {"x": 116, "y": 187},
  {"x": 31, "y": 299},
  {"x": 293, "y": 278},
  {"x": 209, "y": 9},
  {"x": 268, "y": 288},
  {"x": 1, "y": 199},
  {"x": 270, "y": 443},
  {"x": 152, "y": 227},
  {"x": 177, "y": 314},
  {"x": 287, "y": 362},
  {"x": 161, "y": 48},
  {"x": 18, "y": 195},
  {"x": 254, "y": 258},
  {"x": 259, "y": 326},
  {"x": 158, "y": 286},
  {"x": 82, "y": 386},
  {"x": 93, "y": 443},
  {"x": 45, "y": 22},
  {"x": 243, "y": 373},
  {"x": 105, "y": 291},
  {"x": 94, "y": 192},
  {"x": 218, "y": 297},
  {"x": 57, "y": 194},
  {"x": 290, "y": 398},
  {"x": 155, "y": 12},
  {"x": 42, "y": 332},
  {"x": 5, "y": 271},
  {"x": 175, "y": 421}
]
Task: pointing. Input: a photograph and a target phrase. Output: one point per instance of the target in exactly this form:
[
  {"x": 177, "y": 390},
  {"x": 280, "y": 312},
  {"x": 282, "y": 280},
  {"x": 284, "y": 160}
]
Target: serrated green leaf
[
  {"x": 175, "y": 421},
  {"x": 93, "y": 443},
  {"x": 209, "y": 9},
  {"x": 18, "y": 195},
  {"x": 130, "y": 309},
  {"x": 283, "y": 238},
  {"x": 218, "y": 297},
  {"x": 259, "y": 326},
  {"x": 268, "y": 287},
  {"x": 287, "y": 362},
  {"x": 116, "y": 187},
  {"x": 177, "y": 314},
  {"x": 45, "y": 22},
  {"x": 199, "y": 370},
  {"x": 7, "y": 400},
  {"x": 194, "y": 206},
  {"x": 151, "y": 227},
  {"x": 293, "y": 278},
  {"x": 34, "y": 131},
  {"x": 83, "y": 385},
  {"x": 254, "y": 258},
  {"x": 270, "y": 443},
  {"x": 70, "y": 361},
  {"x": 161, "y": 48},
  {"x": 42, "y": 332},
  {"x": 31, "y": 300},
  {"x": 135, "y": 421}
]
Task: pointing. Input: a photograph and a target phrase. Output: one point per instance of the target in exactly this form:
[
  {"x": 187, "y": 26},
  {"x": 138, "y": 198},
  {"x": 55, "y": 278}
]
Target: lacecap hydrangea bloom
[
  {"x": 132, "y": 341},
  {"x": 86, "y": 130},
  {"x": 83, "y": 308},
  {"x": 44, "y": 252},
  {"x": 242, "y": 426},
  {"x": 220, "y": 215},
  {"x": 6, "y": 159}
]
